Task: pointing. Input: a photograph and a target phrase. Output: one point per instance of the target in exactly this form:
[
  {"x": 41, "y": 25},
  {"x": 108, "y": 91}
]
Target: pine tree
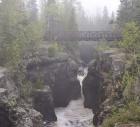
[
  {"x": 70, "y": 15},
  {"x": 105, "y": 15},
  {"x": 33, "y": 10},
  {"x": 129, "y": 11},
  {"x": 12, "y": 24}
]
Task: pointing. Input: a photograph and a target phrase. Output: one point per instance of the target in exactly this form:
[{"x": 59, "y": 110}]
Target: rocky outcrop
[
  {"x": 43, "y": 102},
  {"x": 60, "y": 74},
  {"x": 92, "y": 87},
  {"x": 4, "y": 115},
  {"x": 12, "y": 114},
  {"x": 101, "y": 87},
  {"x": 87, "y": 51},
  {"x": 66, "y": 86}
]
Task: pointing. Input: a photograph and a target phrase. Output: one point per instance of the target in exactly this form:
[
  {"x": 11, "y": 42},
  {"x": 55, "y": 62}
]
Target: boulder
[
  {"x": 60, "y": 74},
  {"x": 11, "y": 113},
  {"x": 43, "y": 102},
  {"x": 92, "y": 88},
  {"x": 93, "y": 91},
  {"x": 4, "y": 114},
  {"x": 66, "y": 85},
  {"x": 87, "y": 52},
  {"x": 27, "y": 117}
]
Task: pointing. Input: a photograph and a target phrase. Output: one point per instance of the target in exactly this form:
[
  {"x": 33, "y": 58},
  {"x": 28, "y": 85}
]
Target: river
[{"x": 74, "y": 115}]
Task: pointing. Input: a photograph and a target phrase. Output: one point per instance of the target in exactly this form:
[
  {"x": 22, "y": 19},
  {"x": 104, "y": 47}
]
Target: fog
[{"x": 95, "y": 6}]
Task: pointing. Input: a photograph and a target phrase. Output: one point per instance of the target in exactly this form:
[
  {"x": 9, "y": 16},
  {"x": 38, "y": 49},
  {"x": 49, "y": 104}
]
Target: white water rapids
[{"x": 74, "y": 115}]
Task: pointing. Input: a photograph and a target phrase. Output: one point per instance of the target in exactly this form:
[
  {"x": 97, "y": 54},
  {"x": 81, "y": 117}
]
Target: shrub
[
  {"x": 128, "y": 81},
  {"x": 39, "y": 84},
  {"x": 130, "y": 113},
  {"x": 131, "y": 38},
  {"x": 53, "y": 49}
]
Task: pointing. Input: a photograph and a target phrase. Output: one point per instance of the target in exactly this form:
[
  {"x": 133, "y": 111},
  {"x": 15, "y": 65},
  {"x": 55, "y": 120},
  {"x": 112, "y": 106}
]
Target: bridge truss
[{"x": 82, "y": 36}]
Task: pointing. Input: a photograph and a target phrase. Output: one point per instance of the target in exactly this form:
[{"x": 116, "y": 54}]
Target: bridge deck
[{"x": 83, "y": 36}]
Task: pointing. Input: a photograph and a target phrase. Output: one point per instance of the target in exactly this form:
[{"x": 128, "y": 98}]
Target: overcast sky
[{"x": 93, "y": 6}]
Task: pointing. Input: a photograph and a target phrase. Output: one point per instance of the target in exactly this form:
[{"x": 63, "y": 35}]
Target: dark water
[{"x": 74, "y": 115}]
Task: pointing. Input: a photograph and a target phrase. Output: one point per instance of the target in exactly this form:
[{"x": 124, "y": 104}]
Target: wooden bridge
[{"x": 82, "y": 36}]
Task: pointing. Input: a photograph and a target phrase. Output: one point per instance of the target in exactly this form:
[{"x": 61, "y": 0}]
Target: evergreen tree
[
  {"x": 33, "y": 10},
  {"x": 12, "y": 39},
  {"x": 129, "y": 11},
  {"x": 105, "y": 15},
  {"x": 113, "y": 16},
  {"x": 105, "y": 19},
  {"x": 17, "y": 32},
  {"x": 70, "y": 15}
]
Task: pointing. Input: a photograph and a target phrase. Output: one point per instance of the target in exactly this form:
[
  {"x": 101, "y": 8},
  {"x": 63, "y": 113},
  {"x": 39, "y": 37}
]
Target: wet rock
[
  {"x": 4, "y": 118},
  {"x": 6, "y": 92},
  {"x": 28, "y": 118},
  {"x": 87, "y": 52},
  {"x": 3, "y": 95},
  {"x": 43, "y": 102},
  {"x": 19, "y": 117},
  {"x": 4, "y": 115},
  {"x": 66, "y": 86},
  {"x": 36, "y": 118},
  {"x": 12, "y": 114},
  {"x": 66, "y": 81},
  {"x": 60, "y": 74},
  {"x": 92, "y": 89},
  {"x": 102, "y": 87}
]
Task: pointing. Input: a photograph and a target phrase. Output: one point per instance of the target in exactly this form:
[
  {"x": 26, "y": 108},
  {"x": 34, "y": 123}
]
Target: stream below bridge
[{"x": 74, "y": 115}]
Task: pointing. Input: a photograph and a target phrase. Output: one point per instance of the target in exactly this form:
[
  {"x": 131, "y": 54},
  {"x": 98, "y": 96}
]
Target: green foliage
[
  {"x": 129, "y": 20},
  {"x": 71, "y": 46},
  {"x": 21, "y": 34},
  {"x": 131, "y": 38},
  {"x": 103, "y": 46},
  {"x": 131, "y": 44},
  {"x": 130, "y": 113},
  {"x": 17, "y": 35},
  {"x": 39, "y": 84},
  {"x": 12, "y": 102},
  {"x": 129, "y": 11},
  {"x": 53, "y": 49},
  {"x": 22, "y": 31},
  {"x": 11, "y": 34},
  {"x": 128, "y": 84},
  {"x": 61, "y": 17},
  {"x": 53, "y": 9}
]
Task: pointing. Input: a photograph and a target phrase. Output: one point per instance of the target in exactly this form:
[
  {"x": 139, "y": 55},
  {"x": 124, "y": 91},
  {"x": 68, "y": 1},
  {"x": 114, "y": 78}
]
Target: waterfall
[{"x": 83, "y": 71}]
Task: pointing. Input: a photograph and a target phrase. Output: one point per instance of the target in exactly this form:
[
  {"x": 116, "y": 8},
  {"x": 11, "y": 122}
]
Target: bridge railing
[{"x": 83, "y": 36}]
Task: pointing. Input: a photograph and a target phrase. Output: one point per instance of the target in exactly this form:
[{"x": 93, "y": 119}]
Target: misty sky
[{"x": 93, "y": 6}]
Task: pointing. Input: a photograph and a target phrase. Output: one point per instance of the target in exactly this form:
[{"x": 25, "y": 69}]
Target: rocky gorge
[
  {"x": 56, "y": 88},
  {"x": 55, "y": 84}
]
